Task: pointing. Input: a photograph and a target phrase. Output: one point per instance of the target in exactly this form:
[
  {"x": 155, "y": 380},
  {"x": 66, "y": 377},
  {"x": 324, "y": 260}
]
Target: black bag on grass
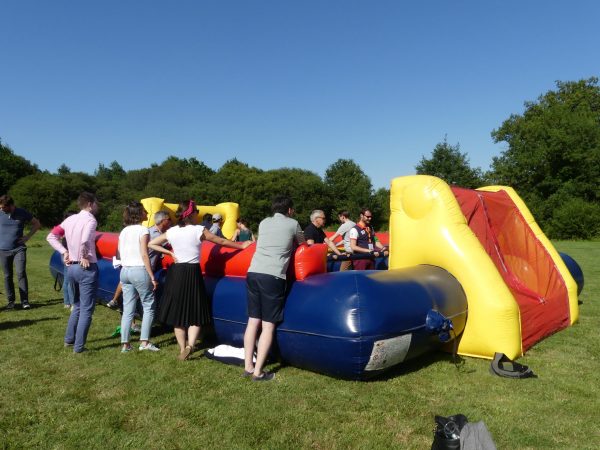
[{"x": 446, "y": 435}]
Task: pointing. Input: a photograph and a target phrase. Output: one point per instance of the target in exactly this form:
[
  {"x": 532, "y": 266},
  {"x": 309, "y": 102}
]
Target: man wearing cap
[
  {"x": 215, "y": 229},
  {"x": 13, "y": 249}
]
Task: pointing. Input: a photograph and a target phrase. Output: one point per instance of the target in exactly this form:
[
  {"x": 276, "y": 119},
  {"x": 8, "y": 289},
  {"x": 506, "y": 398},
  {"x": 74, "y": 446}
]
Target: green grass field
[{"x": 51, "y": 398}]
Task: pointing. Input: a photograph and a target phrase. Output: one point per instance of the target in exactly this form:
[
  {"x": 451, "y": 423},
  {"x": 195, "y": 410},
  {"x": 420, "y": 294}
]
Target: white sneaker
[{"x": 149, "y": 346}]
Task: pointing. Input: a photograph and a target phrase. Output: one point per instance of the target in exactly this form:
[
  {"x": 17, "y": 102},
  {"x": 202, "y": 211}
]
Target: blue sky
[{"x": 279, "y": 83}]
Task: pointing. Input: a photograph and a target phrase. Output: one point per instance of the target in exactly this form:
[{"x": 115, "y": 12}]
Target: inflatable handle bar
[{"x": 353, "y": 257}]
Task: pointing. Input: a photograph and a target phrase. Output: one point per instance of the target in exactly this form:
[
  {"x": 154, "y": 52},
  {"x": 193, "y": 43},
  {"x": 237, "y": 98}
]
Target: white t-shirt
[
  {"x": 343, "y": 231},
  {"x": 129, "y": 245},
  {"x": 185, "y": 242}
]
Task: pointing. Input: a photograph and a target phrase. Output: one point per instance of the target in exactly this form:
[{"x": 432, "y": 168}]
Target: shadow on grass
[
  {"x": 160, "y": 335},
  {"x": 50, "y": 302},
  {"x": 421, "y": 362},
  {"x": 23, "y": 323}
]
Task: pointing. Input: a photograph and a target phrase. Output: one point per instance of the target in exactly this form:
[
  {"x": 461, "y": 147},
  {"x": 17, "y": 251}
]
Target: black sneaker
[
  {"x": 10, "y": 306},
  {"x": 112, "y": 305},
  {"x": 26, "y": 306},
  {"x": 266, "y": 376}
]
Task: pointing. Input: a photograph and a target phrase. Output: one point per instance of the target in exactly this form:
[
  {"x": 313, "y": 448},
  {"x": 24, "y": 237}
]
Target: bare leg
[
  {"x": 264, "y": 344},
  {"x": 118, "y": 293},
  {"x": 180, "y": 336},
  {"x": 193, "y": 333},
  {"x": 250, "y": 342}
]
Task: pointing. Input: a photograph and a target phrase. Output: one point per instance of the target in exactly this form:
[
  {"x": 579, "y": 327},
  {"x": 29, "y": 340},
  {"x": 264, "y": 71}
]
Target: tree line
[
  {"x": 552, "y": 160},
  {"x": 50, "y": 195}
]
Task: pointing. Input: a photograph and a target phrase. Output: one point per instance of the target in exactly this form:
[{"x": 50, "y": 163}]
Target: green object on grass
[{"x": 117, "y": 331}]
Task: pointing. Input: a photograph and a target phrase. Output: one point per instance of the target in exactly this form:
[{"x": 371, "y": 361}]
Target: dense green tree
[
  {"x": 48, "y": 196},
  {"x": 381, "y": 209},
  {"x": 306, "y": 189},
  {"x": 179, "y": 171},
  {"x": 12, "y": 168},
  {"x": 238, "y": 182},
  {"x": 348, "y": 185},
  {"x": 575, "y": 219},
  {"x": 63, "y": 169},
  {"x": 113, "y": 172},
  {"x": 553, "y": 153},
  {"x": 452, "y": 166}
]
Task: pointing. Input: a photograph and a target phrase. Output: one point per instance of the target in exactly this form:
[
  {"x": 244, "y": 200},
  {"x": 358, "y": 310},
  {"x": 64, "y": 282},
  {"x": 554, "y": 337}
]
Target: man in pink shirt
[{"x": 80, "y": 261}]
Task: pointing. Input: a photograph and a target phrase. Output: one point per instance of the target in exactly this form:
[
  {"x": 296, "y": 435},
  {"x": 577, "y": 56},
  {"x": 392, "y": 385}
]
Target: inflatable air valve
[{"x": 436, "y": 323}]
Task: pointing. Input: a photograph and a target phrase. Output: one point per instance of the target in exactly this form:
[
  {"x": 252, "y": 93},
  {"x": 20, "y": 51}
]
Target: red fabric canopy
[{"x": 521, "y": 259}]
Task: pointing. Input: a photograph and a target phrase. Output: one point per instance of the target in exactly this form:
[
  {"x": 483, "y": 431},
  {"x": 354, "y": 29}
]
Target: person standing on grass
[
  {"x": 67, "y": 287},
  {"x": 266, "y": 283},
  {"x": 185, "y": 304},
  {"x": 13, "y": 249},
  {"x": 80, "y": 259},
  {"x": 137, "y": 277}
]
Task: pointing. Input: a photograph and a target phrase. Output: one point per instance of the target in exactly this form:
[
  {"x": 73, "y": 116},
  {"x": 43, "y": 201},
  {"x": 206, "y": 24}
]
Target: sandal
[
  {"x": 266, "y": 376},
  {"x": 185, "y": 354}
]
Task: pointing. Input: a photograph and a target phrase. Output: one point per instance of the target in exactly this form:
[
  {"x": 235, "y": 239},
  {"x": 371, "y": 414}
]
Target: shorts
[{"x": 266, "y": 297}]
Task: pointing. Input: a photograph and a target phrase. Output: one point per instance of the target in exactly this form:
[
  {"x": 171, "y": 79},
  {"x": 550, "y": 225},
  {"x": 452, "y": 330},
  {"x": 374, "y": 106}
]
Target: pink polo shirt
[{"x": 80, "y": 233}]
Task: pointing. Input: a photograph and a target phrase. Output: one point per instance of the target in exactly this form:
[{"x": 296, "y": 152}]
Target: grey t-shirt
[
  {"x": 276, "y": 237},
  {"x": 343, "y": 231},
  {"x": 11, "y": 228}
]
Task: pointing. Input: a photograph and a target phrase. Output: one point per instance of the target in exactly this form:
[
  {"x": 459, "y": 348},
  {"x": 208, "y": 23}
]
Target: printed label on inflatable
[{"x": 389, "y": 352}]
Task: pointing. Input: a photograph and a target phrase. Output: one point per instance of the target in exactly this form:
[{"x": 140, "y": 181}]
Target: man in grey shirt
[
  {"x": 266, "y": 283},
  {"x": 343, "y": 230}
]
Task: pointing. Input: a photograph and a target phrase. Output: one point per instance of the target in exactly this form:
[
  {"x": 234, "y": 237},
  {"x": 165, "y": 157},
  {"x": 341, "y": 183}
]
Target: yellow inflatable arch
[
  {"x": 427, "y": 226},
  {"x": 229, "y": 210}
]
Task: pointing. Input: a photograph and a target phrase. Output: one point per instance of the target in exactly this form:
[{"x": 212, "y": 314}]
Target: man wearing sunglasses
[
  {"x": 363, "y": 240},
  {"x": 314, "y": 233}
]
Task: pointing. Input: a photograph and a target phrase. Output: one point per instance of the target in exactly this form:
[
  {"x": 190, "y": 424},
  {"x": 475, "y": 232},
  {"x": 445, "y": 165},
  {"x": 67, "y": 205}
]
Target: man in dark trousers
[
  {"x": 13, "y": 249},
  {"x": 266, "y": 283}
]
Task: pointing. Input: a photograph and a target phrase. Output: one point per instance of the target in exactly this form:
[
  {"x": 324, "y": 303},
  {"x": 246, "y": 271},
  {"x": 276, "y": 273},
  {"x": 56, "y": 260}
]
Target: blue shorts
[{"x": 266, "y": 297}]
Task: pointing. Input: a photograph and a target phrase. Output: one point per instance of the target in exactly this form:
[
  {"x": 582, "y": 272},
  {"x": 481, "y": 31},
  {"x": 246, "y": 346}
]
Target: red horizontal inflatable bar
[{"x": 218, "y": 261}]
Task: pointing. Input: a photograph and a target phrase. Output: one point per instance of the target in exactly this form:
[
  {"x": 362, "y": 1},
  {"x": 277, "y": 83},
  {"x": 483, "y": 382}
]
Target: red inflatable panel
[
  {"x": 218, "y": 261},
  {"x": 106, "y": 244},
  {"x": 522, "y": 261},
  {"x": 310, "y": 260}
]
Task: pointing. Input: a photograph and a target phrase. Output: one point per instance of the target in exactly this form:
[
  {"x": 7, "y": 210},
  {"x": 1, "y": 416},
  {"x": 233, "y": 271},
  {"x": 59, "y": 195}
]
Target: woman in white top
[
  {"x": 136, "y": 276},
  {"x": 185, "y": 303}
]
